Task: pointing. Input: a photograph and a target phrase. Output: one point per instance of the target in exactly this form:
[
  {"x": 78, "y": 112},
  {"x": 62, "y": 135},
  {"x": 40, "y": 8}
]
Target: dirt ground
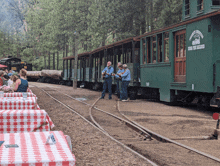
[
  {"x": 90, "y": 146},
  {"x": 184, "y": 124}
]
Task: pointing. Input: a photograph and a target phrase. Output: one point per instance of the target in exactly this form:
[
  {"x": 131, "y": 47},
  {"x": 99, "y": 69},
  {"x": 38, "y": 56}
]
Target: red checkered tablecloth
[
  {"x": 17, "y": 121},
  {"x": 29, "y": 90},
  {"x": 33, "y": 151},
  {"x": 18, "y": 94},
  {"x": 18, "y": 103}
]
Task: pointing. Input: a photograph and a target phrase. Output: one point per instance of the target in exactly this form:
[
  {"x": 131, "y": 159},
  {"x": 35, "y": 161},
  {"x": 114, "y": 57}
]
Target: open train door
[{"x": 180, "y": 56}]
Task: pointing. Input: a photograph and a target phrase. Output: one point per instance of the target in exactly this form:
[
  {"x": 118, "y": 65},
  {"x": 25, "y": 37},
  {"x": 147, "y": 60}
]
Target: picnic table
[
  {"x": 17, "y": 121},
  {"x": 19, "y": 94},
  {"x": 18, "y": 103},
  {"x": 31, "y": 149}
]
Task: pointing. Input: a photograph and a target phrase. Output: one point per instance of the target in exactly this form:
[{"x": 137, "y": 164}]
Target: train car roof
[
  {"x": 137, "y": 38},
  {"x": 113, "y": 45},
  {"x": 102, "y": 48},
  {"x": 10, "y": 59},
  {"x": 210, "y": 14}
]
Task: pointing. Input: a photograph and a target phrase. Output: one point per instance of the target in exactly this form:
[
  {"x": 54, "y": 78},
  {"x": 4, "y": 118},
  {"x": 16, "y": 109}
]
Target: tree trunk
[
  {"x": 67, "y": 60},
  {"x": 151, "y": 15},
  {"x": 148, "y": 17},
  {"x": 56, "y": 74},
  {"x": 45, "y": 64},
  {"x": 63, "y": 57},
  {"x": 49, "y": 60},
  {"x": 75, "y": 65},
  {"x": 57, "y": 60},
  {"x": 54, "y": 61},
  {"x": 34, "y": 74},
  {"x": 143, "y": 18}
]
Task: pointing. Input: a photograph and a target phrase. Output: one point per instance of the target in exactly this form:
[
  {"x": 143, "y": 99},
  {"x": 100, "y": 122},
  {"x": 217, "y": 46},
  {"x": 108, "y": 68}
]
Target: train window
[
  {"x": 199, "y": 5},
  {"x": 112, "y": 59},
  {"x": 215, "y": 2},
  {"x": 78, "y": 64},
  {"x": 93, "y": 62},
  {"x": 100, "y": 61},
  {"x": 154, "y": 47},
  {"x": 159, "y": 51},
  {"x": 131, "y": 57},
  {"x": 187, "y": 7},
  {"x": 73, "y": 64},
  {"x": 180, "y": 45},
  {"x": 148, "y": 51},
  {"x": 144, "y": 51},
  {"x": 103, "y": 61},
  {"x": 87, "y": 62},
  {"x": 166, "y": 47}
]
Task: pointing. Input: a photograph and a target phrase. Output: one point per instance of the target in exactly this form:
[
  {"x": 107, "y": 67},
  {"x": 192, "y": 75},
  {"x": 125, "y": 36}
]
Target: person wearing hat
[{"x": 126, "y": 78}]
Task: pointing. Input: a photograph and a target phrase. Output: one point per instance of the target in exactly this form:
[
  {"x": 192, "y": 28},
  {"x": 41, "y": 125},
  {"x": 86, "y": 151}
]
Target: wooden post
[{"x": 75, "y": 66}]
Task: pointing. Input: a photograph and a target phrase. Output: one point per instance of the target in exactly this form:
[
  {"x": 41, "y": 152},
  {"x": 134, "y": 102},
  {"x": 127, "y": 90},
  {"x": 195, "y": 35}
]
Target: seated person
[
  {"x": 1, "y": 78},
  {"x": 22, "y": 83},
  {"x": 10, "y": 81},
  {"x": 14, "y": 79},
  {"x": 5, "y": 77}
]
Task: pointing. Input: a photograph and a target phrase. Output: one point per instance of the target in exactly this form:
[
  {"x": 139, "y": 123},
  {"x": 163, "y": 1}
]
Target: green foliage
[{"x": 54, "y": 25}]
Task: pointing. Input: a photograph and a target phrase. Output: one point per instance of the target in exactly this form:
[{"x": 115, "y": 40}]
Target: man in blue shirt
[
  {"x": 126, "y": 78},
  {"x": 118, "y": 79},
  {"x": 107, "y": 73}
]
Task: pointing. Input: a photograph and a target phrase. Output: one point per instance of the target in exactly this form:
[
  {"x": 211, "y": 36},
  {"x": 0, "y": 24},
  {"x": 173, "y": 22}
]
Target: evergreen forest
[{"x": 40, "y": 31}]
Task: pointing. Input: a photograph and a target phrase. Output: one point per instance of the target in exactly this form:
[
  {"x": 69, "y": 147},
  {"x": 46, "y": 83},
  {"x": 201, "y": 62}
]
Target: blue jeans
[
  {"x": 124, "y": 90},
  {"x": 118, "y": 87},
  {"x": 107, "y": 83}
]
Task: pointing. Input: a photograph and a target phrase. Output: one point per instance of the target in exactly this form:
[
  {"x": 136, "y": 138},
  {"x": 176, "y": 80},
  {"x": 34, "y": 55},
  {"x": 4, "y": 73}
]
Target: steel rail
[
  {"x": 153, "y": 134},
  {"x": 124, "y": 120},
  {"x": 102, "y": 130}
]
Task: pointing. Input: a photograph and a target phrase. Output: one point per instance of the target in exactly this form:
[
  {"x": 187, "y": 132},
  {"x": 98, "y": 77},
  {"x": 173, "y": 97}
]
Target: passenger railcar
[
  {"x": 91, "y": 64},
  {"x": 179, "y": 62}
]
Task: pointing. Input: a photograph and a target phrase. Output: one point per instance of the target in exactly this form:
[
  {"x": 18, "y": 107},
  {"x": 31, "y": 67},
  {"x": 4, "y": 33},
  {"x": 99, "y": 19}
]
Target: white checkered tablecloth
[
  {"x": 17, "y": 121},
  {"x": 18, "y": 94},
  {"x": 18, "y": 103},
  {"x": 33, "y": 151}
]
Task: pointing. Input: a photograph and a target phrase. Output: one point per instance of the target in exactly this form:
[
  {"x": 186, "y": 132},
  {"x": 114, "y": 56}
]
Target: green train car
[
  {"x": 182, "y": 62},
  {"x": 177, "y": 63}
]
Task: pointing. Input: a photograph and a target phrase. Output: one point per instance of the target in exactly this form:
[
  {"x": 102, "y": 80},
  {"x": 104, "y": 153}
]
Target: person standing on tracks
[
  {"x": 126, "y": 78},
  {"x": 107, "y": 76},
  {"x": 22, "y": 83},
  {"x": 118, "y": 79}
]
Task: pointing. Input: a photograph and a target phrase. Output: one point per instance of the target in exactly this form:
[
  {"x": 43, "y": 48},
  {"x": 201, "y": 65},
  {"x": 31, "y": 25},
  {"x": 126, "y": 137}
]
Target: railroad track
[{"x": 127, "y": 133}]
